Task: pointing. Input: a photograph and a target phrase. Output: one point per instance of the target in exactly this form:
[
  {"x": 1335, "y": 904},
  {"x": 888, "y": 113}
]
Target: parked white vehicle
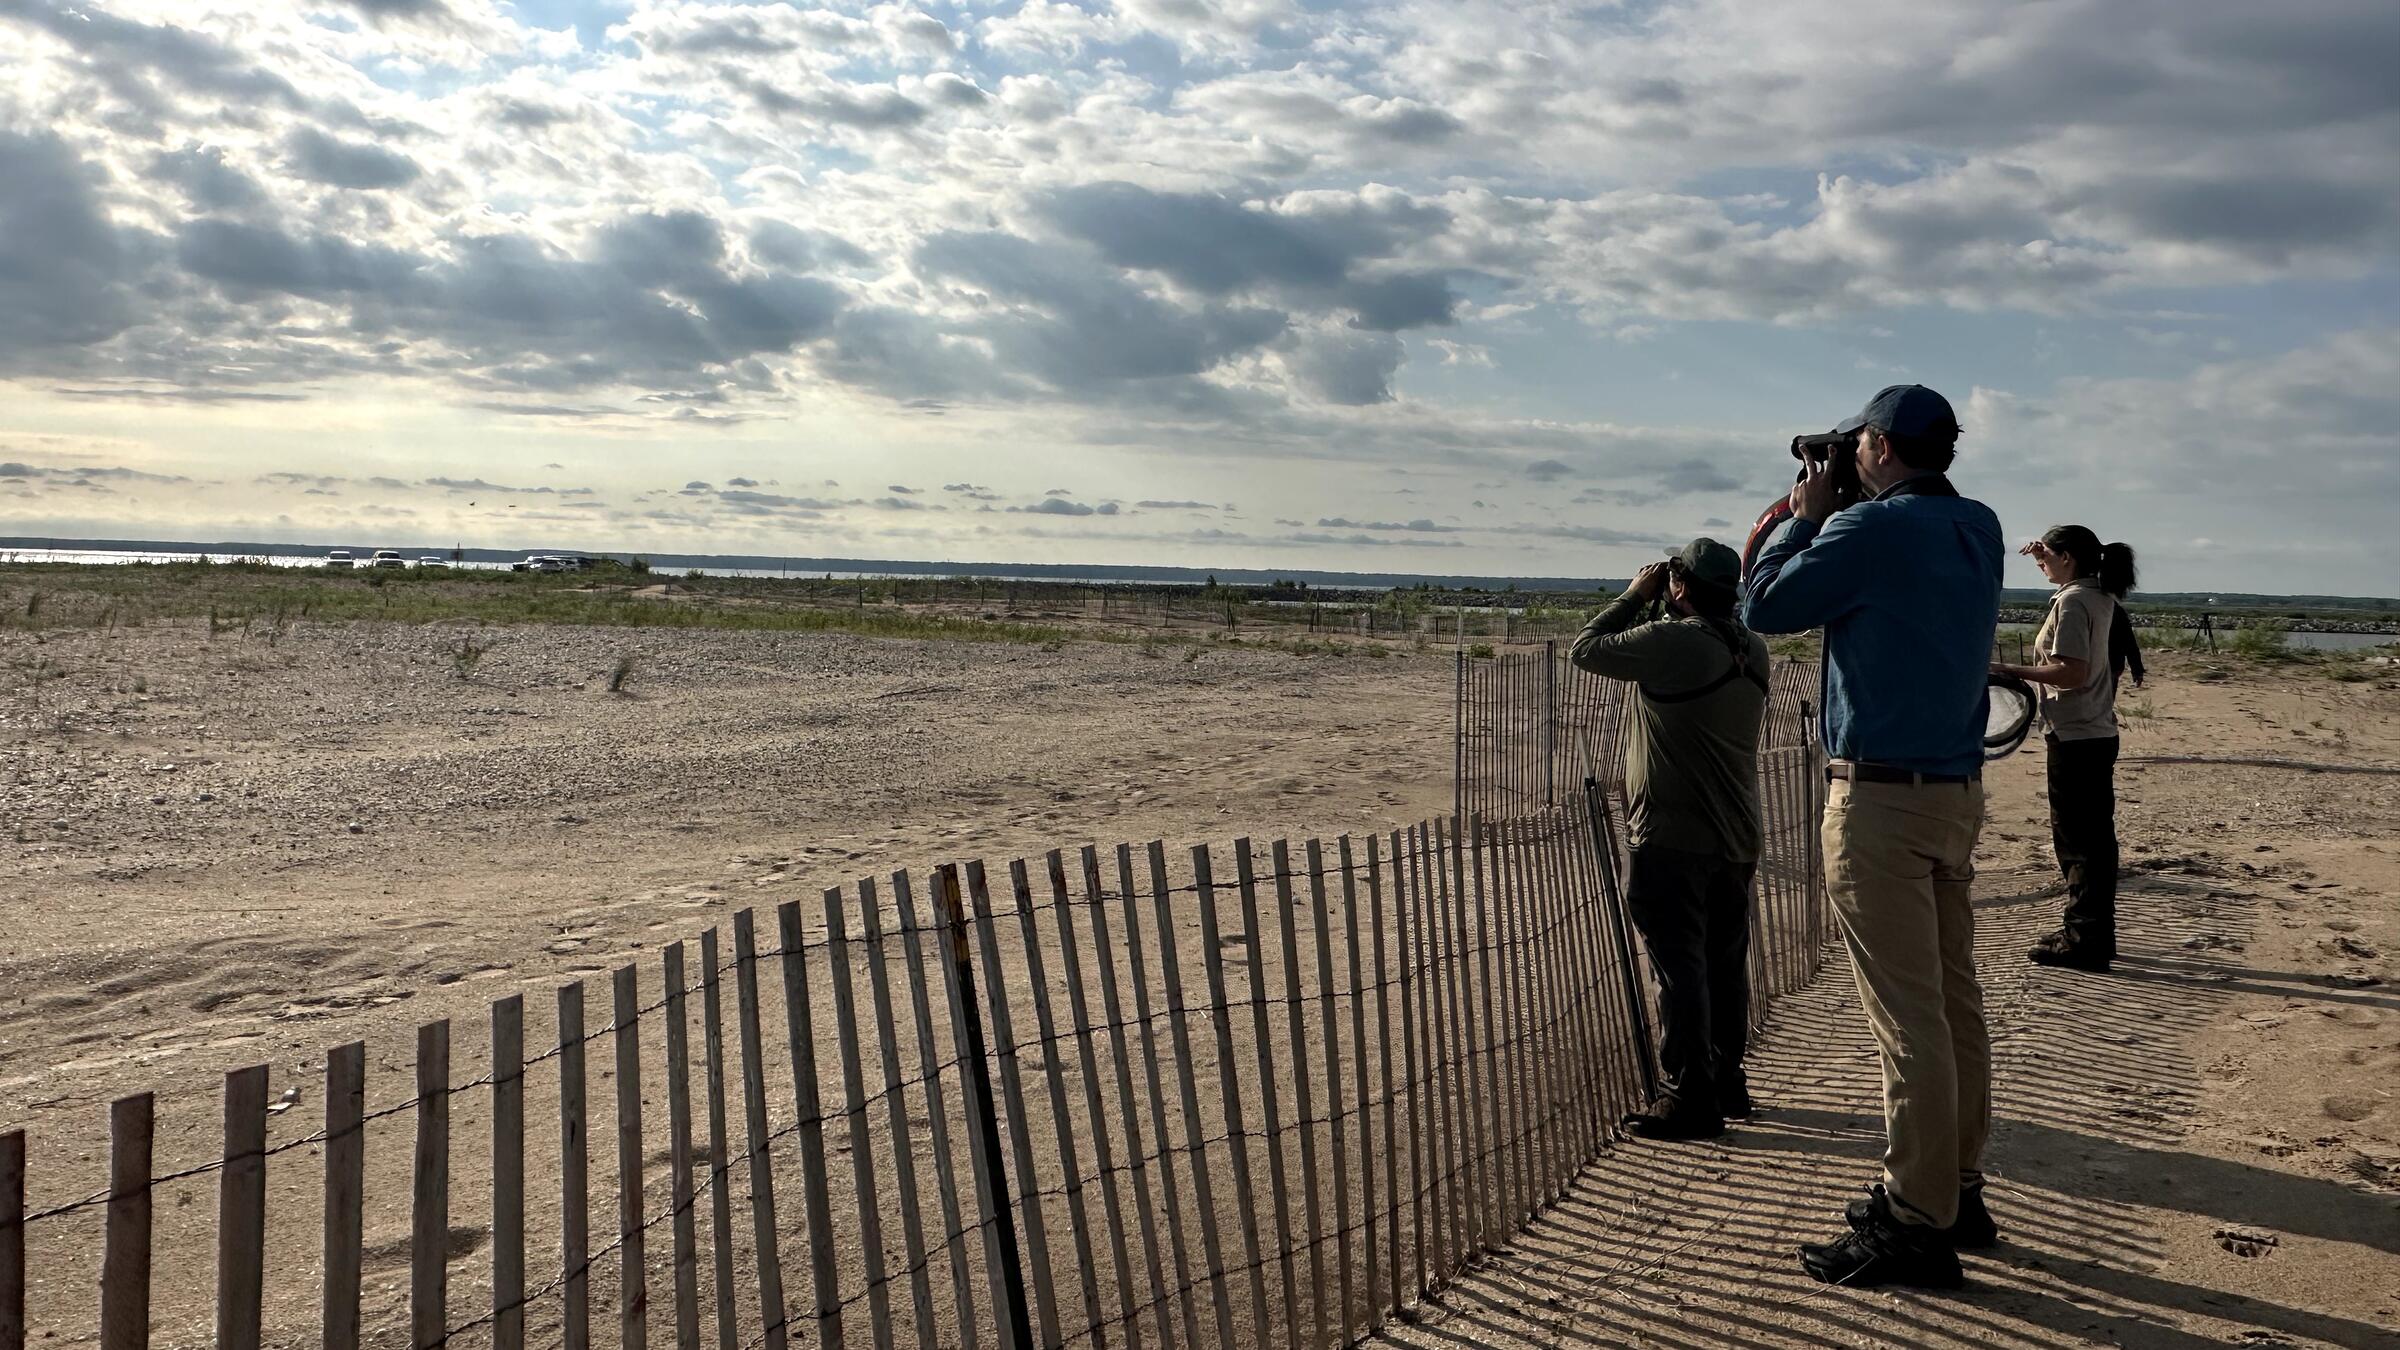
[
  {"x": 430, "y": 560},
  {"x": 387, "y": 557},
  {"x": 540, "y": 562},
  {"x": 340, "y": 558}
]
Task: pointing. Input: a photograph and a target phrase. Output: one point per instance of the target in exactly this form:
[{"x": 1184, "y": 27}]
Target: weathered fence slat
[
  {"x": 1500, "y": 949},
  {"x": 1533, "y": 1027},
  {"x": 1230, "y": 1089},
  {"x": 1154, "y": 1081},
  {"x": 720, "y": 1171},
  {"x": 125, "y": 1260},
  {"x": 854, "y": 1108},
  {"x": 345, "y": 1191},
  {"x": 800, "y": 1036},
  {"x": 1032, "y": 1230},
  {"x": 1495, "y": 1195},
  {"x": 1464, "y": 1069},
  {"x": 1558, "y": 983},
  {"x": 937, "y": 1112},
  {"x": 1112, "y": 1007},
  {"x": 12, "y": 1240},
  {"x": 1103, "y": 1160},
  {"x": 242, "y": 1210},
  {"x": 1279, "y": 1189},
  {"x": 1338, "y": 1149},
  {"x": 904, "y": 1160},
  {"x": 429, "y": 1214},
  {"x": 991, "y": 1178},
  {"x": 680, "y": 1193},
  {"x": 574, "y": 1173},
  {"x": 1442, "y": 1077},
  {"x": 1365, "y": 1118},
  {"x": 1397, "y": 1095},
  {"x": 1053, "y": 1331},
  {"x": 1062, "y": 1121},
  {"x": 774, "y": 1318},
  {"x": 1170, "y": 975},
  {"x": 508, "y": 1173}
]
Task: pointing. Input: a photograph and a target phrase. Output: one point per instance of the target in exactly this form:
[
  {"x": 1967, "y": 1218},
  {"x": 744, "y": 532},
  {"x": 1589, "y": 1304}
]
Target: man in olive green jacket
[{"x": 1691, "y": 784}]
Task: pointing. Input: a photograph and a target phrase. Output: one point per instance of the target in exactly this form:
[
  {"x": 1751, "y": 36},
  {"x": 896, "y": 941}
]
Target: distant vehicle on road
[
  {"x": 340, "y": 558},
  {"x": 429, "y": 560},
  {"x": 387, "y": 557},
  {"x": 540, "y": 562}
]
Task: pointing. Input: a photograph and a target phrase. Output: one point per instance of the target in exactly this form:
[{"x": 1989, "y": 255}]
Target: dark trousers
[
  {"x": 2083, "y": 832},
  {"x": 1693, "y": 912}
]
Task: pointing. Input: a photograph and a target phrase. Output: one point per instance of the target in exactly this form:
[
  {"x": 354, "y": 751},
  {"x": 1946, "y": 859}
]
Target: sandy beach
[{"x": 226, "y": 851}]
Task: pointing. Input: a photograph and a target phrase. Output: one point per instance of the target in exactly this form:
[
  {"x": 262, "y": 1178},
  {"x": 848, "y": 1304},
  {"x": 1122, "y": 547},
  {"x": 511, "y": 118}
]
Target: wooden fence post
[
  {"x": 809, "y": 1116},
  {"x": 937, "y": 1111},
  {"x": 904, "y": 1160},
  {"x": 345, "y": 1187},
  {"x": 12, "y": 1240},
  {"x": 125, "y": 1261},
  {"x": 508, "y": 1173},
  {"x": 1032, "y": 1232},
  {"x": 633, "y": 1271},
  {"x": 774, "y": 1317},
  {"x": 1169, "y": 1192},
  {"x": 854, "y": 1109},
  {"x": 680, "y": 1194},
  {"x": 720, "y": 1173},
  {"x": 574, "y": 1175},
  {"x": 991, "y": 1168},
  {"x": 1237, "y": 1129},
  {"x": 1112, "y": 1007},
  {"x": 1279, "y": 1189},
  {"x": 429, "y": 1211},
  {"x": 242, "y": 1210},
  {"x": 1103, "y": 1159},
  {"x": 1295, "y": 1020},
  {"x": 1061, "y": 1120}
]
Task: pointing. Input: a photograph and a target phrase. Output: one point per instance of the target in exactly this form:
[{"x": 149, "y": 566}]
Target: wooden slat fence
[
  {"x": 1530, "y": 727},
  {"x": 1276, "y": 1093}
]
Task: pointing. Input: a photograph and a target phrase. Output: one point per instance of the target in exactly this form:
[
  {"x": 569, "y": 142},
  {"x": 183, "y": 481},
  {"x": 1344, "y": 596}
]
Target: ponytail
[
  {"x": 2111, "y": 564},
  {"x": 2117, "y": 575}
]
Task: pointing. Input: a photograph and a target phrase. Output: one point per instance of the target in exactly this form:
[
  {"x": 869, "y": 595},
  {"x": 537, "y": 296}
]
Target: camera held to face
[{"x": 1837, "y": 452}]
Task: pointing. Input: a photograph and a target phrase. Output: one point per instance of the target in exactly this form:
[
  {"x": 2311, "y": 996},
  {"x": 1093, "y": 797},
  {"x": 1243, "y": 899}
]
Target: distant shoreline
[{"x": 2385, "y": 612}]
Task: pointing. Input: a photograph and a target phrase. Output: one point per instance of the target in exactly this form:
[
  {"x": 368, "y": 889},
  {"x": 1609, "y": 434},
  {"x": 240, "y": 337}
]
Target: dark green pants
[{"x": 1693, "y": 912}]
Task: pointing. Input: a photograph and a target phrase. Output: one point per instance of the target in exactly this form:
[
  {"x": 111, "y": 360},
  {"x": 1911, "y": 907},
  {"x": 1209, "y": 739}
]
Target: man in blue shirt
[{"x": 1906, "y": 585}]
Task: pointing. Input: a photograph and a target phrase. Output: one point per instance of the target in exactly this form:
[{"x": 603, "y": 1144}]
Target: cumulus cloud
[
  {"x": 1064, "y": 506},
  {"x": 325, "y": 159},
  {"x": 1419, "y": 526},
  {"x": 1208, "y": 231}
]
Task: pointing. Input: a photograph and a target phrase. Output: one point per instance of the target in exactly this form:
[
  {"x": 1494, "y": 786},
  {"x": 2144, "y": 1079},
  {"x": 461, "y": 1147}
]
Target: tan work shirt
[{"x": 2077, "y": 627}]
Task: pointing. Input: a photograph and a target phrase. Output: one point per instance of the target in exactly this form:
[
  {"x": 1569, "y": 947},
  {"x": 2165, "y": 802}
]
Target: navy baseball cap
[{"x": 1904, "y": 410}]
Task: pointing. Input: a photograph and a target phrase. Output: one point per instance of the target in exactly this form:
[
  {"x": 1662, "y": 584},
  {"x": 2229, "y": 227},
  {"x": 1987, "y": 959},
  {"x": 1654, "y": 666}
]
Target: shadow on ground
[{"x": 1691, "y": 1245}]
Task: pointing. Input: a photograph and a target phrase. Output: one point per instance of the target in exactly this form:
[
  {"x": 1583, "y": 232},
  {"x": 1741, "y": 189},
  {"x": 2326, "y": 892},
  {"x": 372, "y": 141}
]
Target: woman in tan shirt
[{"x": 2071, "y": 674}]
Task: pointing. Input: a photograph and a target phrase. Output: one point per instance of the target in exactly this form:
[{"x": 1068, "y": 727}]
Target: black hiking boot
[
  {"x": 1668, "y": 1118},
  {"x": 1972, "y": 1230},
  {"x": 1734, "y": 1102},
  {"x": 2061, "y": 949},
  {"x": 1879, "y": 1250}
]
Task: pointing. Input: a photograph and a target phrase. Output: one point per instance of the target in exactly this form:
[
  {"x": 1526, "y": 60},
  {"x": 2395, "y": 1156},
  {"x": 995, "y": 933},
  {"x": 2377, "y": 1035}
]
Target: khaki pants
[{"x": 1899, "y": 858}]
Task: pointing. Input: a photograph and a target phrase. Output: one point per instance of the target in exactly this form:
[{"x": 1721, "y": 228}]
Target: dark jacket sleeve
[
  {"x": 2124, "y": 649},
  {"x": 1613, "y": 645}
]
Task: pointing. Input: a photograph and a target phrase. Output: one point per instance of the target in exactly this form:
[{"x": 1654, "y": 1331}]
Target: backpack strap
[{"x": 1735, "y": 647}]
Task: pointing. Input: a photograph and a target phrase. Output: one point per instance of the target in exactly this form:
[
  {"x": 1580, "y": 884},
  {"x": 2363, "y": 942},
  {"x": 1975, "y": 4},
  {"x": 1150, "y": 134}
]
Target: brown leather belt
[{"x": 1855, "y": 772}]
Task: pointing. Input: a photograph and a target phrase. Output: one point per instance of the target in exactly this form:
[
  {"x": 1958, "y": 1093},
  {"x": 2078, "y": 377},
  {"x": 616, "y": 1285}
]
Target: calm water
[
  {"x": 664, "y": 573},
  {"x": 2323, "y": 642}
]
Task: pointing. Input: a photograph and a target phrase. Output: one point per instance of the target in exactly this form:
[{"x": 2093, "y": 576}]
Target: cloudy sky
[{"x": 1460, "y": 286}]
